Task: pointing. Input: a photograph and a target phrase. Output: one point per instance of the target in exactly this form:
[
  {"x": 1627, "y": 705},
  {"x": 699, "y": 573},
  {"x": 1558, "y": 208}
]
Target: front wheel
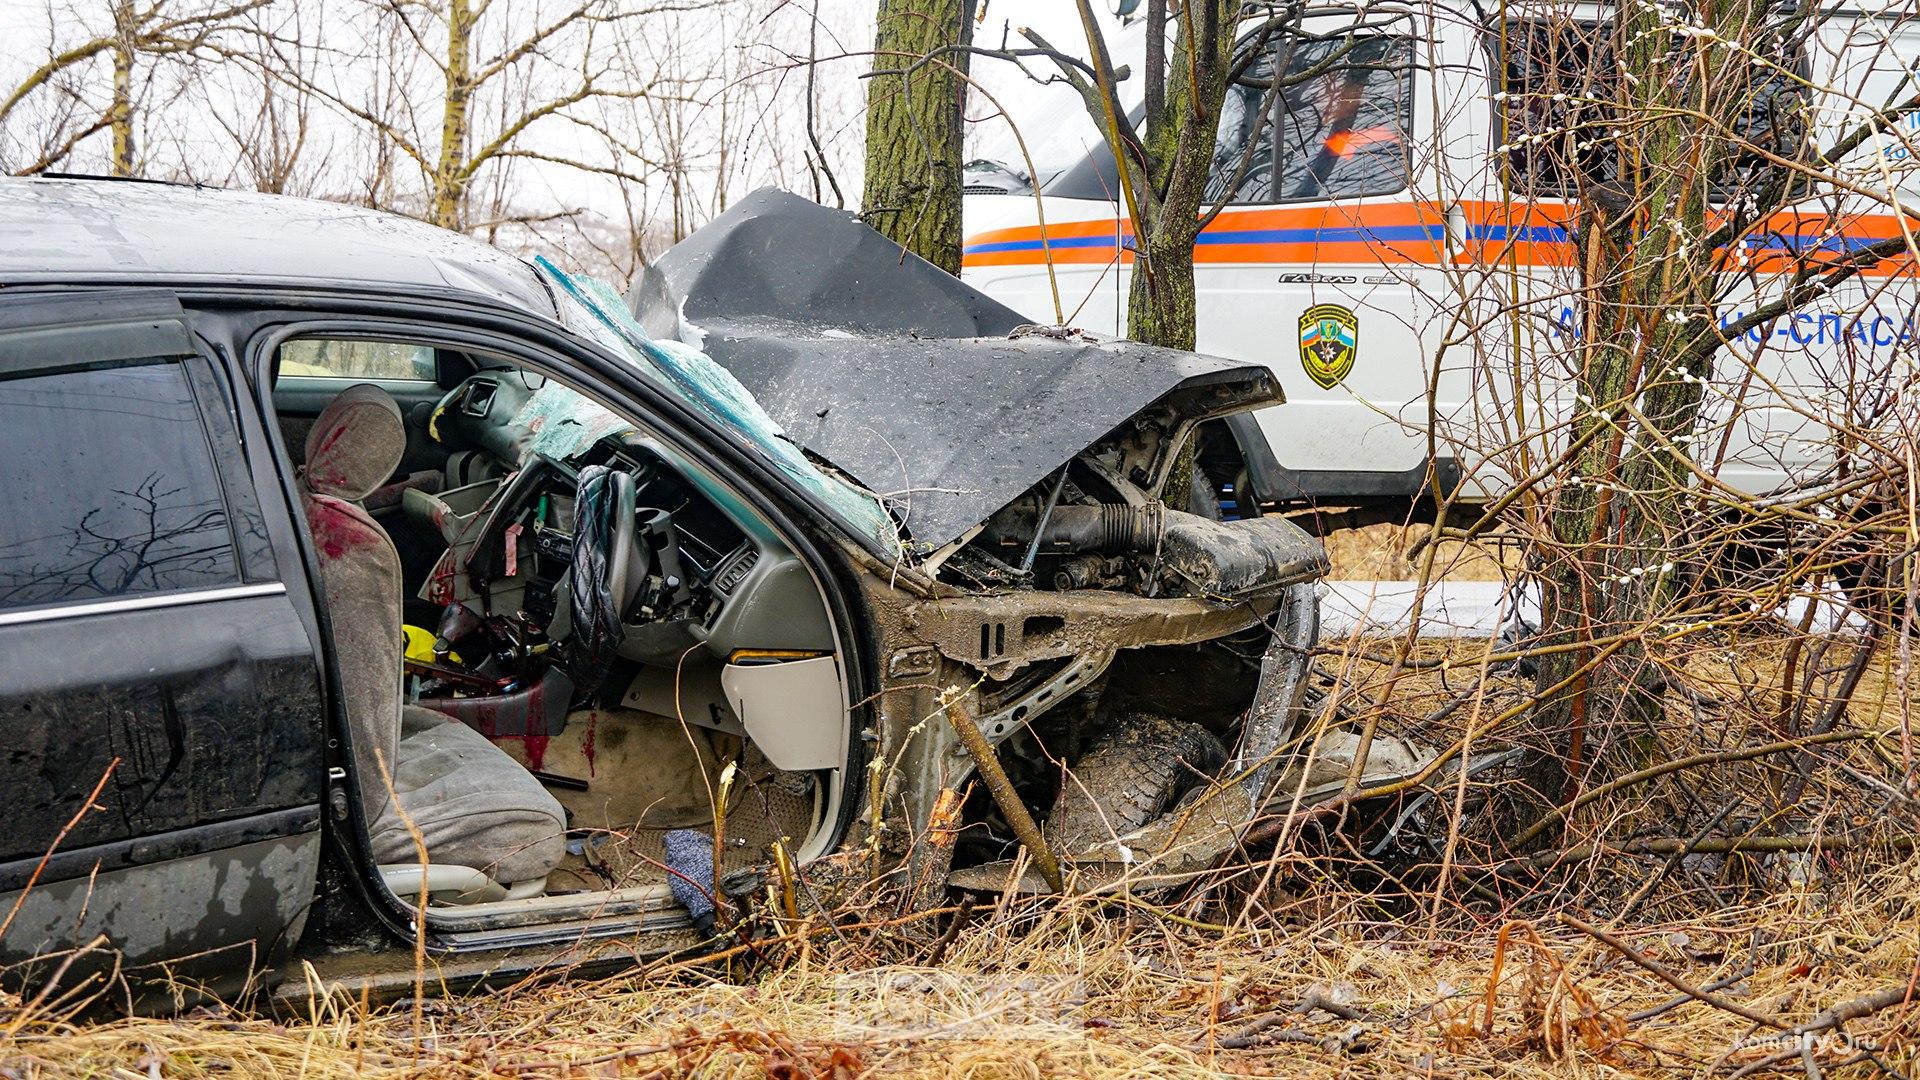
[{"x": 1132, "y": 774}]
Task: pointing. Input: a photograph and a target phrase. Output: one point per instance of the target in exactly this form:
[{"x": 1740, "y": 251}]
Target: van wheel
[
  {"x": 1873, "y": 590},
  {"x": 1133, "y": 773}
]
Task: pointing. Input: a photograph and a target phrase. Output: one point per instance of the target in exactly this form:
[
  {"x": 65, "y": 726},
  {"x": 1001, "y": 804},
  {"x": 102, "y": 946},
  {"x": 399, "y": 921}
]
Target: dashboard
[{"x": 743, "y": 587}]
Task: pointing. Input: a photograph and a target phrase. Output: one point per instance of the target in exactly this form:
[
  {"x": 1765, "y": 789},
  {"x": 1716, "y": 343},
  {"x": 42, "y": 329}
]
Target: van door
[
  {"x": 1319, "y": 267},
  {"x": 160, "y": 694}
]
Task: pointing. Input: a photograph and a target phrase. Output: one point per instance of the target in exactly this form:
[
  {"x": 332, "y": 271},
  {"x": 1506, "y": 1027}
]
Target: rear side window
[
  {"x": 111, "y": 487},
  {"x": 1554, "y": 116},
  {"x": 1339, "y": 128},
  {"x": 332, "y": 358},
  {"x": 1775, "y": 119}
]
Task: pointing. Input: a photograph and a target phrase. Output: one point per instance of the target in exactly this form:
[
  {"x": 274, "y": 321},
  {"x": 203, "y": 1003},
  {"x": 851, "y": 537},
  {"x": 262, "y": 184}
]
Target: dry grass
[
  {"x": 1423, "y": 977},
  {"x": 1096, "y": 989},
  {"x": 1417, "y": 976},
  {"x": 1378, "y": 553},
  {"x": 1064, "y": 990}
]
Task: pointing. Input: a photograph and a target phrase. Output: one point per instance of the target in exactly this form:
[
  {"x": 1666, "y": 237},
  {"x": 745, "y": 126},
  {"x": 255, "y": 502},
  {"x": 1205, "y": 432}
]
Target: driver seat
[{"x": 474, "y": 806}]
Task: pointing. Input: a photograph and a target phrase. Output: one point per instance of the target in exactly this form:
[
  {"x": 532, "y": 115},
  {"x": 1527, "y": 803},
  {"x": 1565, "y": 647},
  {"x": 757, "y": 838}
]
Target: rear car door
[{"x": 159, "y": 691}]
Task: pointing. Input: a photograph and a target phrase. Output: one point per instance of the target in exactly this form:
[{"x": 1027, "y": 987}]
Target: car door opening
[{"x": 558, "y": 641}]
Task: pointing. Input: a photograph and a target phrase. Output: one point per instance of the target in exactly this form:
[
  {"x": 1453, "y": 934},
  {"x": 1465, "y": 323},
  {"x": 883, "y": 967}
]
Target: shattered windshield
[{"x": 589, "y": 307}]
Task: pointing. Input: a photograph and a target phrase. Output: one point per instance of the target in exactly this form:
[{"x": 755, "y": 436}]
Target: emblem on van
[{"x": 1329, "y": 339}]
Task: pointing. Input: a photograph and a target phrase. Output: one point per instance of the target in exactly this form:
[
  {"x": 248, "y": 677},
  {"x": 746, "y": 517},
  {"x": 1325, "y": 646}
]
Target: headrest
[{"x": 356, "y": 444}]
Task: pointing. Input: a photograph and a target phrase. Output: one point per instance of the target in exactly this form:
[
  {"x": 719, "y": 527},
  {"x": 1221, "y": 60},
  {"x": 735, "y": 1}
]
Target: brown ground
[
  {"x": 1419, "y": 982},
  {"x": 1087, "y": 994},
  {"x": 1378, "y": 553}
]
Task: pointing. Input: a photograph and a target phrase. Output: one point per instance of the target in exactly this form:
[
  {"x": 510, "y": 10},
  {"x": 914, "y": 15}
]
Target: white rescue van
[{"x": 1399, "y": 252}]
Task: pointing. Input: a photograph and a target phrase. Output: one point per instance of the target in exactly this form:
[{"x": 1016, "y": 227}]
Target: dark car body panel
[
  {"x": 160, "y": 688},
  {"x": 213, "y": 917},
  {"x": 915, "y": 383},
  {"x": 237, "y": 884},
  {"x": 201, "y": 713},
  {"x": 234, "y": 696}
]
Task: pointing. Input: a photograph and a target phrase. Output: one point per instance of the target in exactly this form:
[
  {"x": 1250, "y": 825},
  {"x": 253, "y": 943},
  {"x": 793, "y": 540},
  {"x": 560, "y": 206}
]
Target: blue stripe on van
[
  {"x": 1802, "y": 242},
  {"x": 1529, "y": 234},
  {"x": 1377, "y": 234},
  {"x": 1795, "y": 242},
  {"x": 1056, "y": 242},
  {"x": 1363, "y": 235}
]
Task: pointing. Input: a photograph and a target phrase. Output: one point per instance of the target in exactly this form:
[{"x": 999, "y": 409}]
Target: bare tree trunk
[
  {"x": 1647, "y": 345},
  {"x": 120, "y": 113},
  {"x": 1169, "y": 172},
  {"x": 450, "y": 176},
  {"x": 914, "y": 126},
  {"x": 1160, "y": 299}
]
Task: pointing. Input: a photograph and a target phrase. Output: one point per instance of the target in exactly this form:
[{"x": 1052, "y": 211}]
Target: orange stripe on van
[
  {"x": 1392, "y": 232},
  {"x": 1788, "y": 241},
  {"x": 1495, "y": 234}
]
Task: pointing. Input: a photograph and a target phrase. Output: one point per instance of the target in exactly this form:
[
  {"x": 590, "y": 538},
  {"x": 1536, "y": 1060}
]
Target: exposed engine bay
[
  {"x": 1126, "y": 630},
  {"x": 1091, "y": 527},
  {"x": 1142, "y": 642}
]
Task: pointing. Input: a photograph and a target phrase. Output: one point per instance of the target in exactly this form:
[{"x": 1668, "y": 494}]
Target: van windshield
[{"x": 1338, "y": 127}]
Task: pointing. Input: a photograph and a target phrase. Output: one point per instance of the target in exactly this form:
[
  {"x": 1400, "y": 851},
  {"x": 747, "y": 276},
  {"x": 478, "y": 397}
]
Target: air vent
[
  {"x": 736, "y": 569},
  {"x": 479, "y": 398}
]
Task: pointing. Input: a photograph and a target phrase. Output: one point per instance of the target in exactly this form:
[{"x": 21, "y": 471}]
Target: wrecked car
[{"x": 360, "y": 580}]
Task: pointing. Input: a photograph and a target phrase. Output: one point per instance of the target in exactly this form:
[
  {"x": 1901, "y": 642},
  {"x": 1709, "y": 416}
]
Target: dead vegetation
[
  {"x": 1329, "y": 980},
  {"x": 1742, "y": 906},
  {"x": 1379, "y": 553}
]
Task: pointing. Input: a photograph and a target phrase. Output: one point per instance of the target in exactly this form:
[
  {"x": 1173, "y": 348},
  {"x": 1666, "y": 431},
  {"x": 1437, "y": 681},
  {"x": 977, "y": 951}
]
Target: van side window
[
  {"x": 1340, "y": 127},
  {"x": 1557, "y": 116},
  {"x": 1553, "y": 115},
  {"x": 1240, "y": 124},
  {"x": 1775, "y": 120},
  {"x": 111, "y": 487}
]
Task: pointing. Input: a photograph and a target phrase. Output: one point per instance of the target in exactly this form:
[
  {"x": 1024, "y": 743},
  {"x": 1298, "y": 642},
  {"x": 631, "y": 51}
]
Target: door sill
[{"x": 391, "y": 975}]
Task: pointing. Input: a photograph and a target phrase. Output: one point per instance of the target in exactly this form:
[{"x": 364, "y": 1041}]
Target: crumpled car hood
[{"x": 905, "y": 377}]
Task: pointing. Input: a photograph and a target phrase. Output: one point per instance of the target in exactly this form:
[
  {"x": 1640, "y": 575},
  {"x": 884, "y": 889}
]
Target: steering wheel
[{"x": 608, "y": 567}]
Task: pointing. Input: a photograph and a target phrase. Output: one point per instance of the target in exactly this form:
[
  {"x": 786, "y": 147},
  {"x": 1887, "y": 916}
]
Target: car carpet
[{"x": 642, "y": 772}]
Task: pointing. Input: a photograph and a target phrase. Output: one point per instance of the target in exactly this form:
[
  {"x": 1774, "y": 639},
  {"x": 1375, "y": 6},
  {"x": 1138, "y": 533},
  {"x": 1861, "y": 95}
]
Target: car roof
[{"x": 86, "y": 230}]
